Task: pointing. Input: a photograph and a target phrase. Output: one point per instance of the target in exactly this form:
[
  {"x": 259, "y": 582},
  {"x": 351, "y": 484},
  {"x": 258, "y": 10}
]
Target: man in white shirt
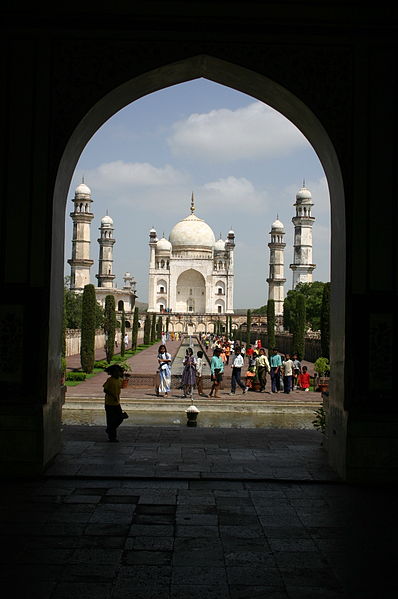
[
  {"x": 287, "y": 367},
  {"x": 236, "y": 370}
]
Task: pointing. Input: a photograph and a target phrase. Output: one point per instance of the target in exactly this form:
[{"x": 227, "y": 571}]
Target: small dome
[
  {"x": 192, "y": 233},
  {"x": 106, "y": 220},
  {"x": 82, "y": 190},
  {"x": 219, "y": 245},
  {"x": 277, "y": 224},
  {"x": 303, "y": 194},
  {"x": 163, "y": 245}
]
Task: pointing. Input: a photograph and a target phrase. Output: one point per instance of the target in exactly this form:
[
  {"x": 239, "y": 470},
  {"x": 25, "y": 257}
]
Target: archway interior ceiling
[{"x": 252, "y": 83}]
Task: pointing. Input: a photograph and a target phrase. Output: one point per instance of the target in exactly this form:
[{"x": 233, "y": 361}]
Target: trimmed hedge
[{"x": 75, "y": 376}]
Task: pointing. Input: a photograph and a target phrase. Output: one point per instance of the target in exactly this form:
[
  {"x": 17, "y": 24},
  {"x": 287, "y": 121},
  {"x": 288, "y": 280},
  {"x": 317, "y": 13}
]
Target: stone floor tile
[
  {"x": 97, "y": 555},
  {"x": 195, "y": 591},
  {"x": 125, "y": 588},
  {"x": 89, "y": 572},
  {"x": 89, "y": 590},
  {"x": 244, "y": 532},
  {"x": 107, "y": 529},
  {"x": 289, "y": 545},
  {"x": 264, "y": 559},
  {"x": 146, "y": 575},
  {"x": 187, "y": 518},
  {"x": 256, "y": 592},
  {"x": 197, "y": 531},
  {"x": 310, "y": 577},
  {"x": 156, "y": 558},
  {"x": 316, "y": 593},
  {"x": 148, "y": 530},
  {"x": 252, "y": 575},
  {"x": 202, "y": 575},
  {"x": 150, "y": 543}
]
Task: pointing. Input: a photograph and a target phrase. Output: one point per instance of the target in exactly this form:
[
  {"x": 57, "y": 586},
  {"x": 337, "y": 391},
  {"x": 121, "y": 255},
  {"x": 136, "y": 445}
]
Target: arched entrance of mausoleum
[{"x": 290, "y": 106}]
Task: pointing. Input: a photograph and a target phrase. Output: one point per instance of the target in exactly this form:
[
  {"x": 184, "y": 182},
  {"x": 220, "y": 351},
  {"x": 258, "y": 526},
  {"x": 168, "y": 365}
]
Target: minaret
[
  {"x": 80, "y": 262},
  {"x": 230, "y": 246},
  {"x": 153, "y": 239},
  {"x": 276, "y": 280},
  {"x": 302, "y": 266},
  {"x": 105, "y": 261}
]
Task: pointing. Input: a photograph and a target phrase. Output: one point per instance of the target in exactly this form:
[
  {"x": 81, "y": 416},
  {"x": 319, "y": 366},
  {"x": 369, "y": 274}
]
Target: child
[
  {"x": 304, "y": 379},
  {"x": 199, "y": 368},
  {"x": 113, "y": 410},
  {"x": 188, "y": 379}
]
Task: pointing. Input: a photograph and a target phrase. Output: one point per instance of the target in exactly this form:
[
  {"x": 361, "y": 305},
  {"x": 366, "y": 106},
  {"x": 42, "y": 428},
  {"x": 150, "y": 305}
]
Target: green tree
[
  {"x": 87, "y": 341},
  {"x": 134, "y": 334},
  {"x": 271, "y": 323},
  {"x": 109, "y": 326},
  {"x": 313, "y": 293},
  {"x": 153, "y": 328},
  {"x": 248, "y": 327},
  {"x": 167, "y": 324},
  {"x": 147, "y": 330},
  {"x": 262, "y": 311},
  {"x": 123, "y": 332},
  {"x": 288, "y": 312},
  {"x": 72, "y": 309},
  {"x": 159, "y": 328},
  {"x": 300, "y": 326},
  {"x": 325, "y": 321}
]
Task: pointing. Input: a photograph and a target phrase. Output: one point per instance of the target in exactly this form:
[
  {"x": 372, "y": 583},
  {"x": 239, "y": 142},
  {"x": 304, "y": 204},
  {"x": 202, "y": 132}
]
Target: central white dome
[{"x": 192, "y": 233}]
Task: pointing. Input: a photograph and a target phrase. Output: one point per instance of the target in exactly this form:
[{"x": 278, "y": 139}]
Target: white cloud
[
  {"x": 119, "y": 175},
  {"x": 233, "y": 192},
  {"x": 253, "y": 132}
]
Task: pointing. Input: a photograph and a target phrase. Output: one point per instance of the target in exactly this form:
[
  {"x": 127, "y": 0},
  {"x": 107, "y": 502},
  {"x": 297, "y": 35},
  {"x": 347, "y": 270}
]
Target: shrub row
[{"x": 76, "y": 376}]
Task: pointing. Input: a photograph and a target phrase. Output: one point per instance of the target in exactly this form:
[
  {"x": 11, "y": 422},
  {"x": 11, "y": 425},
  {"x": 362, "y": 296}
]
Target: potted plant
[
  {"x": 322, "y": 367},
  {"x": 126, "y": 373}
]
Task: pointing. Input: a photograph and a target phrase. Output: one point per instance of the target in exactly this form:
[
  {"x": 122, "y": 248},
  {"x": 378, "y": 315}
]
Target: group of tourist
[{"x": 286, "y": 373}]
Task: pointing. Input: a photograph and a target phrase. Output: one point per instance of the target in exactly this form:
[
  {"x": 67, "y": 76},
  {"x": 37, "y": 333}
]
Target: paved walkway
[{"x": 146, "y": 519}]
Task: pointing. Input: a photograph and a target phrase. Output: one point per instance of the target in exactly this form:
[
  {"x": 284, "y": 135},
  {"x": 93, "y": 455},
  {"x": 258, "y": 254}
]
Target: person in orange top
[
  {"x": 113, "y": 410},
  {"x": 227, "y": 351},
  {"x": 304, "y": 379}
]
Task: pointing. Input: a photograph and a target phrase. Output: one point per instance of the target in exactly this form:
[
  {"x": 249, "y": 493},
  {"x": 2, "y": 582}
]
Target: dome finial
[
  {"x": 192, "y": 204},
  {"x": 303, "y": 182}
]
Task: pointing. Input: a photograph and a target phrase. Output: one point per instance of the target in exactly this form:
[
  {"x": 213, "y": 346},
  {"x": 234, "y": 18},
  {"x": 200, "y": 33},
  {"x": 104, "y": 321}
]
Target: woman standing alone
[{"x": 164, "y": 361}]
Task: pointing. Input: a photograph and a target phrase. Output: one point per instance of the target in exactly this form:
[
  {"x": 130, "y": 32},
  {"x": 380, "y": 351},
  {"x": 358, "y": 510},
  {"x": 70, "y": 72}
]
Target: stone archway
[
  {"x": 191, "y": 292},
  {"x": 261, "y": 88}
]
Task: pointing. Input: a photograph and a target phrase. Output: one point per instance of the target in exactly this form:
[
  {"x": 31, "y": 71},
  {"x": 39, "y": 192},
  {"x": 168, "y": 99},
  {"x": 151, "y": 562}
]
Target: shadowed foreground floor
[{"x": 195, "y": 513}]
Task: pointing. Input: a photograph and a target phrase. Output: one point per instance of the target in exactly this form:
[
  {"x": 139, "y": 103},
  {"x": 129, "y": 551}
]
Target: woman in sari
[
  {"x": 189, "y": 373},
  {"x": 164, "y": 361}
]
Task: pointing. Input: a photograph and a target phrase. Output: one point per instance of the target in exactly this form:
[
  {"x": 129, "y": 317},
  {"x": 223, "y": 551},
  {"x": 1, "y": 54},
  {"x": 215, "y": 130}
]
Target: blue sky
[{"x": 243, "y": 161}]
